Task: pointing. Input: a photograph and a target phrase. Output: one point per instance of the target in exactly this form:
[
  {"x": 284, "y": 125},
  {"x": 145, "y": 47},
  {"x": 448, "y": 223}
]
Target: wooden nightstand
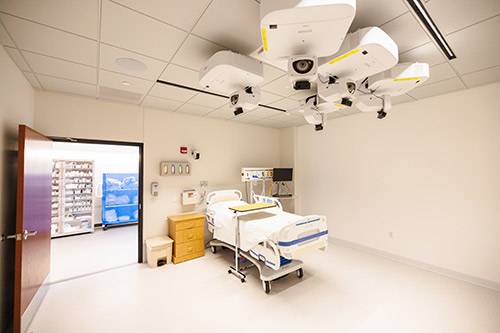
[{"x": 187, "y": 233}]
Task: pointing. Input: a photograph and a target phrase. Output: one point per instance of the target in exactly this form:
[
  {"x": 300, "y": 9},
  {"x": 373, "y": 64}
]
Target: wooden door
[{"x": 33, "y": 218}]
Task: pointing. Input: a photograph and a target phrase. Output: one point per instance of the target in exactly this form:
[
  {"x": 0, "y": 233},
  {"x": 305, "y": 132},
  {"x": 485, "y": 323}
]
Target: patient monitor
[{"x": 293, "y": 27}]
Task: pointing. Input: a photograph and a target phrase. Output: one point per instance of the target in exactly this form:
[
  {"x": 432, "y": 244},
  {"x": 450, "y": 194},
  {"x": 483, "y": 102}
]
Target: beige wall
[
  {"x": 225, "y": 146},
  {"x": 16, "y": 107},
  {"x": 429, "y": 173}
]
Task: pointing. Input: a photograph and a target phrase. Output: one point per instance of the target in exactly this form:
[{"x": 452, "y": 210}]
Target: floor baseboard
[{"x": 436, "y": 269}]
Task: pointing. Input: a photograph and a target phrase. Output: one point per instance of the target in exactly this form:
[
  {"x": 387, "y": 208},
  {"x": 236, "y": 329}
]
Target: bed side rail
[
  {"x": 269, "y": 200},
  {"x": 304, "y": 235}
]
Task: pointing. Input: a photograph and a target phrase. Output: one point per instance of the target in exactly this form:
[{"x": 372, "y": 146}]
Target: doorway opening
[{"x": 96, "y": 206}]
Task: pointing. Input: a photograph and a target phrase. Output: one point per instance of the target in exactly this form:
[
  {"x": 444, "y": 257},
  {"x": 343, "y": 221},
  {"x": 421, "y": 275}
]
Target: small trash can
[{"x": 159, "y": 251}]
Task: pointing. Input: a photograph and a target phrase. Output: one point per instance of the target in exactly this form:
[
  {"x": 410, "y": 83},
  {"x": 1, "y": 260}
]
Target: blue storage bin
[{"x": 120, "y": 198}]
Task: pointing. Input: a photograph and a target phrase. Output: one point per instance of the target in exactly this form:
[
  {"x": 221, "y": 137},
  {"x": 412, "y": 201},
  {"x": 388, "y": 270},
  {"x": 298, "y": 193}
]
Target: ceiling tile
[
  {"x": 119, "y": 95},
  {"x": 17, "y": 58},
  {"x": 37, "y": 38},
  {"x": 133, "y": 31},
  {"x": 401, "y": 99},
  {"x": 246, "y": 118},
  {"x": 75, "y": 16},
  {"x": 267, "y": 97},
  {"x": 223, "y": 113},
  {"x": 194, "y": 109},
  {"x": 271, "y": 73},
  {"x": 4, "y": 37},
  {"x": 427, "y": 53},
  {"x": 263, "y": 112},
  {"x": 406, "y": 32},
  {"x": 181, "y": 75},
  {"x": 437, "y": 88},
  {"x": 208, "y": 100},
  {"x": 195, "y": 52},
  {"x": 173, "y": 93},
  {"x": 283, "y": 124},
  {"x": 67, "y": 86},
  {"x": 439, "y": 73},
  {"x": 284, "y": 116},
  {"x": 452, "y": 15},
  {"x": 109, "y": 54},
  {"x": 225, "y": 22},
  {"x": 182, "y": 14},
  {"x": 265, "y": 122},
  {"x": 373, "y": 13},
  {"x": 60, "y": 68},
  {"x": 32, "y": 79},
  {"x": 486, "y": 76},
  {"x": 287, "y": 104},
  {"x": 475, "y": 48},
  {"x": 281, "y": 86},
  {"x": 115, "y": 81},
  {"x": 161, "y": 103}
]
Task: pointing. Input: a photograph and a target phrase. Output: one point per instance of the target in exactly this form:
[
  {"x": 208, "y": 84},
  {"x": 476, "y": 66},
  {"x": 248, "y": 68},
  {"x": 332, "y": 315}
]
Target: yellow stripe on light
[
  {"x": 344, "y": 56},
  {"x": 408, "y": 79},
  {"x": 339, "y": 105},
  {"x": 264, "y": 39}
]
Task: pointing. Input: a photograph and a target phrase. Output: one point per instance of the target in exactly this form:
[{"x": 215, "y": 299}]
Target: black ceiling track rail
[{"x": 211, "y": 93}]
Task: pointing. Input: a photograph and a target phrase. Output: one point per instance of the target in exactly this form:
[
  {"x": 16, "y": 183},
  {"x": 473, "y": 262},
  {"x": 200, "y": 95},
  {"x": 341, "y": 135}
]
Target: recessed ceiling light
[
  {"x": 126, "y": 83},
  {"x": 131, "y": 64}
]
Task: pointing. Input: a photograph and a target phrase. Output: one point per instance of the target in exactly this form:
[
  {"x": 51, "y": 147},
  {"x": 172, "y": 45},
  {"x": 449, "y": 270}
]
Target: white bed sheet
[{"x": 255, "y": 227}]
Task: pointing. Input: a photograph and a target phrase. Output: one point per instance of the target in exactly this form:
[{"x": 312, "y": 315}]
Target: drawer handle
[
  {"x": 190, "y": 249},
  {"x": 190, "y": 236},
  {"x": 190, "y": 225}
]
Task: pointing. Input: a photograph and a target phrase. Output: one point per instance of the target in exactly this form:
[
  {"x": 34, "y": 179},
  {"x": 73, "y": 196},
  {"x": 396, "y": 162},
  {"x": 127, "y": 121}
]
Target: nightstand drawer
[
  {"x": 174, "y": 227},
  {"x": 188, "y": 235},
  {"x": 187, "y": 248}
]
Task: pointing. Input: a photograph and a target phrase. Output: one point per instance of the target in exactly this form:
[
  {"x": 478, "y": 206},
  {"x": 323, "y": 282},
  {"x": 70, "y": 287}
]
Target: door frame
[{"x": 140, "y": 145}]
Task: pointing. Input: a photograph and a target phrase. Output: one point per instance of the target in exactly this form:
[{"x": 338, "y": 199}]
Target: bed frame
[{"x": 275, "y": 257}]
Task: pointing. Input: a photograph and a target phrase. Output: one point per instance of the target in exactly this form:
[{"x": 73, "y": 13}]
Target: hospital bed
[{"x": 269, "y": 238}]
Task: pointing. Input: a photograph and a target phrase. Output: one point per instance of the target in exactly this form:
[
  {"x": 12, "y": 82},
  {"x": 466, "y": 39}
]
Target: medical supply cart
[
  {"x": 72, "y": 197},
  {"x": 120, "y": 199}
]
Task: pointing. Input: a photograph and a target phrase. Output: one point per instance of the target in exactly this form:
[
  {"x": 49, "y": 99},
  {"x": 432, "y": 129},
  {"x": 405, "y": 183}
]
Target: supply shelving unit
[
  {"x": 120, "y": 199},
  {"x": 72, "y": 197}
]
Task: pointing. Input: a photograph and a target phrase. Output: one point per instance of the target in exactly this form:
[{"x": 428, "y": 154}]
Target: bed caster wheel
[
  {"x": 300, "y": 273},
  {"x": 267, "y": 286},
  {"x": 213, "y": 249}
]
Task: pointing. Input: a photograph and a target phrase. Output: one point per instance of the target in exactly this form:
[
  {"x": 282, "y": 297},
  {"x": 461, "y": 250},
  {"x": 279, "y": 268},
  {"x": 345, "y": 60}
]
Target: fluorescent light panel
[{"x": 419, "y": 8}]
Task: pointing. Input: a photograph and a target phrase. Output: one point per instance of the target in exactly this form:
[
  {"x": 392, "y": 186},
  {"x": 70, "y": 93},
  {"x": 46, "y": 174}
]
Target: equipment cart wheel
[
  {"x": 300, "y": 273},
  {"x": 267, "y": 286},
  {"x": 104, "y": 227},
  {"x": 213, "y": 249},
  {"x": 242, "y": 280},
  {"x": 229, "y": 271}
]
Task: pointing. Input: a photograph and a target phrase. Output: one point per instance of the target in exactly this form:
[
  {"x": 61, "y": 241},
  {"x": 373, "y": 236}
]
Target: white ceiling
[{"x": 71, "y": 46}]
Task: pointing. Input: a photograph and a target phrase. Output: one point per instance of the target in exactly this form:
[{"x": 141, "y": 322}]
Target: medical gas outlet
[
  {"x": 175, "y": 169},
  {"x": 249, "y": 174}
]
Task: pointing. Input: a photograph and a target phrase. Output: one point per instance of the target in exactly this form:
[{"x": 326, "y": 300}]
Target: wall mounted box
[{"x": 175, "y": 169}]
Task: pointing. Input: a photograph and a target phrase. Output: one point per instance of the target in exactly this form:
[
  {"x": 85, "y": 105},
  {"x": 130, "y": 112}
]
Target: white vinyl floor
[
  {"x": 343, "y": 290},
  {"x": 83, "y": 254}
]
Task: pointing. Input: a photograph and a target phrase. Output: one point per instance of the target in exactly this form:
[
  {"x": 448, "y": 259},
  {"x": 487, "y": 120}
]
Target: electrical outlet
[{"x": 204, "y": 183}]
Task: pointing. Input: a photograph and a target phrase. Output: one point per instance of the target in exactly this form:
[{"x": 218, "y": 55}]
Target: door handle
[
  {"x": 27, "y": 233},
  {"x": 18, "y": 237}
]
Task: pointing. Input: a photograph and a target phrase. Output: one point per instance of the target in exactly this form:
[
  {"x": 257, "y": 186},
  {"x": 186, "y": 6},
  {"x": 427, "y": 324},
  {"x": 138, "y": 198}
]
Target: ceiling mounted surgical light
[{"x": 424, "y": 16}]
